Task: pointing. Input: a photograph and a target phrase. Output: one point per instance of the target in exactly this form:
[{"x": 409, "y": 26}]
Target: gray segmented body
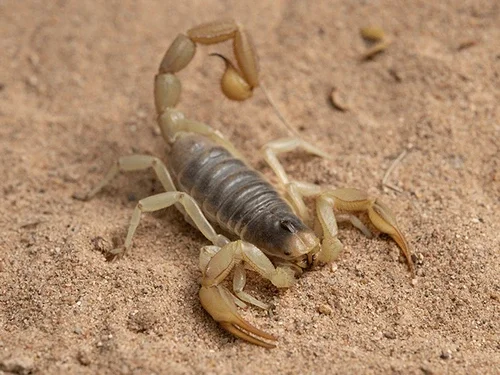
[{"x": 232, "y": 195}]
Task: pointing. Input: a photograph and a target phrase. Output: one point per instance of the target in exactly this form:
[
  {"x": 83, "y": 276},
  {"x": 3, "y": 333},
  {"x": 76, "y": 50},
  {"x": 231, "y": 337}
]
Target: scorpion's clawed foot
[
  {"x": 380, "y": 215},
  {"x": 385, "y": 221},
  {"x": 219, "y": 303}
]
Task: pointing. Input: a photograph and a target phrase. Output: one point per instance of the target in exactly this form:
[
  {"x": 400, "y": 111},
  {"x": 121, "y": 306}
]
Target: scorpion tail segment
[
  {"x": 213, "y": 32},
  {"x": 245, "y": 53},
  {"x": 178, "y": 56},
  {"x": 167, "y": 91},
  {"x": 219, "y": 303}
]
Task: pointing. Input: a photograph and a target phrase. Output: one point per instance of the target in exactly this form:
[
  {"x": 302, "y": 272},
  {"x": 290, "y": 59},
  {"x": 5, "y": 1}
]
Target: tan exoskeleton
[{"x": 207, "y": 179}]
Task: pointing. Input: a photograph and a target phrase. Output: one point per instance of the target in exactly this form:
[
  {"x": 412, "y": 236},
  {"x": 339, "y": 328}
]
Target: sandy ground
[{"x": 76, "y": 93}]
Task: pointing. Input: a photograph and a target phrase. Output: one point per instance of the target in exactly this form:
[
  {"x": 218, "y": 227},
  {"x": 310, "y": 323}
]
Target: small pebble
[
  {"x": 446, "y": 354},
  {"x": 427, "y": 370},
  {"x": 156, "y": 131},
  {"x": 375, "y": 50},
  {"x": 83, "y": 358},
  {"x": 325, "y": 309},
  {"x": 389, "y": 335},
  {"x": 467, "y": 44},
  {"x": 33, "y": 81},
  {"x": 372, "y": 33},
  {"x": 142, "y": 114},
  {"x": 19, "y": 365},
  {"x": 34, "y": 59},
  {"x": 339, "y": 100},
  {"x": 99, "y": 243}
]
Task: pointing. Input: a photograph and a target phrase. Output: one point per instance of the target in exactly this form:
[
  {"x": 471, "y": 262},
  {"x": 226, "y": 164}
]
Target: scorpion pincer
[{"x": 208, "y": 180}]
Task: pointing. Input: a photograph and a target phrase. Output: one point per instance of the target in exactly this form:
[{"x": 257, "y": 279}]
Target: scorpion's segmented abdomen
[{"x": 232, "y": 195}]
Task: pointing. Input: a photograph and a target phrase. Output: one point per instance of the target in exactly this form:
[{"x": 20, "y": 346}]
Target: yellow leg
[
  {"x": 337, "y": 205},
  {"x": 271, "y": 151},
  {"x": 353, "y": 200}
]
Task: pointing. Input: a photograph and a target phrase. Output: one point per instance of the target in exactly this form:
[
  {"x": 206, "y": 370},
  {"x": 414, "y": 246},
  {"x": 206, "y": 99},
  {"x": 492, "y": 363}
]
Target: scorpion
[{"x": 213, "y": 186}]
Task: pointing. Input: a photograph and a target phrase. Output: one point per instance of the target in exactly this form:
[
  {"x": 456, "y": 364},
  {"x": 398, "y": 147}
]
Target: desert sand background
[{"x": 76, "y": 93}]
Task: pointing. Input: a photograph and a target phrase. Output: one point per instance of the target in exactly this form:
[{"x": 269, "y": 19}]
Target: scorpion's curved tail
[{"x": 237, "y": 83}]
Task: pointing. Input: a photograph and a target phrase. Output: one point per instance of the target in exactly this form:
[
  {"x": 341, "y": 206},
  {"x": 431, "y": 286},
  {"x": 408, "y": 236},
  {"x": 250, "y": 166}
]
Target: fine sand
[{"x": 76, "y": 94}]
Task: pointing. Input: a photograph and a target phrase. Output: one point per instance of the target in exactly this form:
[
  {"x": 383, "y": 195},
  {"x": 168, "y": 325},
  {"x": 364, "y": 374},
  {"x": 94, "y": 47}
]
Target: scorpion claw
[{"x": 219, "y": 303}]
